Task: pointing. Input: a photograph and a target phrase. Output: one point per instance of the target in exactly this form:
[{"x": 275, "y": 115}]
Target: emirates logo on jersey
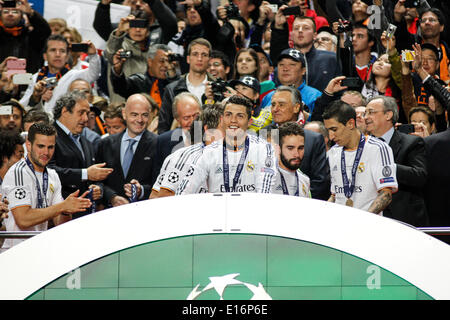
[{"x": 239, "y": 188}]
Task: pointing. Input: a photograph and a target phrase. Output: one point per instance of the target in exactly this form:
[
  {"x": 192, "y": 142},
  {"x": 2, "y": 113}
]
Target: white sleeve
[
  {"x": 266, "y": 175},
  {"x": 25, "y": 100},
  {"x": 18, "y": 188},
  {"x": 384, "y": 168},
  {"x": 162, "y": 172},
  {"x": 195, "y": 177}
]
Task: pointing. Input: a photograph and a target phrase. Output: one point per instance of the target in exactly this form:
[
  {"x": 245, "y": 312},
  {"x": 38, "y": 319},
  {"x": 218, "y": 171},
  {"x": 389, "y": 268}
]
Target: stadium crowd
[{"x": 338, "y": 100}]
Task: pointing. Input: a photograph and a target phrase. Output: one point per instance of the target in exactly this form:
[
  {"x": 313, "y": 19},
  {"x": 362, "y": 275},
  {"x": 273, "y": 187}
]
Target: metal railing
[{"x": 435, "y": 231}]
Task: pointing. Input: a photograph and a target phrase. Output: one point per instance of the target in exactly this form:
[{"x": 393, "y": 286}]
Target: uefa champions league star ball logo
[
  {"x": 221, "y": 283},
  {"x": 173, "y": 177},
  {"x": 20, "y": 193}
]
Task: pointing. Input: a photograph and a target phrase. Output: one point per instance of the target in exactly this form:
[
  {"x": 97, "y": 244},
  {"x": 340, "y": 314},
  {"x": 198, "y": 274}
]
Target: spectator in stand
[
  {"x": 114, "y": 121},
  {"x": 432, "y": 25},
  {"x": 325, "y": 40},
  {"x": 14, "y": 120},
  {"x": 57, "y": 25},
  {"x": 363, "y": 45},
  {"x": 195, "y": 81},
  {"x": 132, "y": 40},
  {"x": 219, "y": 65},
  {"x": 73, "y": 36},
  {"x": 320, "y": 66},
  {"x": 291, "y": 67},
  {"x": 246, "y": 63},
  {"x": 161, "y": 20},
  {"x": 423, "y": 120},
  {"x": 20, "y": 41},
  {"x": 153, "y": 81},
  {"x": 43, "y": 94}
]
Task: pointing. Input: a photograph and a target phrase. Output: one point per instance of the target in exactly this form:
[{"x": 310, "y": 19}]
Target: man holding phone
[
  {"x": 19, "y": 40},
  {"x": 53, "y": 80},
  {"x": 408, "y": 204}
]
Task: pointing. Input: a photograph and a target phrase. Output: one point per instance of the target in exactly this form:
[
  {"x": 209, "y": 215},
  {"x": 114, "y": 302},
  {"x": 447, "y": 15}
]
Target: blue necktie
[
  {"x": 76, "y": 140},
  {"x": 128, "y": 157}
]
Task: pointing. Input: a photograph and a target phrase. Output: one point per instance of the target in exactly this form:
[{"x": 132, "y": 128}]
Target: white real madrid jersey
[
  {"x": 257, "y": 174},
  {"x": 376, "y": 170},
  {"x": 179, "y": 166},
  {"x": 20, "y": 188},
  {"x": 292, "y": 181}
]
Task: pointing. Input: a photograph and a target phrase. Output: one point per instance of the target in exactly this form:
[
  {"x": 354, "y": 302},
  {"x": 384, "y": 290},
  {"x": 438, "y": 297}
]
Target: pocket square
[{"x": 147, "y": 158}]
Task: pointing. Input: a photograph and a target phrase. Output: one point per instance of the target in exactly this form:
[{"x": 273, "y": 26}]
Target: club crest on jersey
[
  {"x": 304, "y": 189},
  {"x": 250, "y": 166},
  {"x": 52, "y": 188},
  {"x": 361, "y": 167},
  {"x": 387, "y": 171}
]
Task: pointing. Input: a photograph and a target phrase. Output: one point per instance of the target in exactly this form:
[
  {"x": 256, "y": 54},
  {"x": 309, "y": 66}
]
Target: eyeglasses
[{"x": 370, "y": 112}]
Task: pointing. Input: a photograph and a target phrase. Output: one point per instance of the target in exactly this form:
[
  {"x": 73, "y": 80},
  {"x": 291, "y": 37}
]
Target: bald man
[{"x": 134, "y": 161}]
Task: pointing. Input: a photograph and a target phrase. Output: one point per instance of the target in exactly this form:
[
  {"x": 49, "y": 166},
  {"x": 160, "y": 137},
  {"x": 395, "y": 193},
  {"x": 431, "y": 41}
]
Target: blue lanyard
[
  {"x": 133, "y": 197},
  {"x": 226, "y": 167},
  {"x": 40, "y": 199},
  {"x": 284, "y": 186},
  {"x": 348, "y": 189}
]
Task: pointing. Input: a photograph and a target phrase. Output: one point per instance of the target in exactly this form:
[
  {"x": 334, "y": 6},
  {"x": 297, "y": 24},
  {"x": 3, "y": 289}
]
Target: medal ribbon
[
  {"x": 226, "y": 167},
  {"x": 40, "y": 199},
  {"x": 284, "y": 186},
  {"x": 348, "y": 189}
]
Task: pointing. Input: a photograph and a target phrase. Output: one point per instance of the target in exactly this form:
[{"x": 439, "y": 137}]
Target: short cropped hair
[
  {"x": 290, "y": 129},
  {"x": 200, "y": 41},
  {"x": 340, "y": 111},
  {"x": 68, "y": 101},
  {"x": 40, "y": 128},
  {"x": 247, "y": 103}
]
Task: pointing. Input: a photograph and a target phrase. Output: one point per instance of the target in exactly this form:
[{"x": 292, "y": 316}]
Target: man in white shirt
[
  {"x": 289, "y": 179},
  {"x": 237, "y": 163},
  {"x": 363, "y": 172},
  {"x": 34, "y": 191},
  {"x": 56, "y": 53}
]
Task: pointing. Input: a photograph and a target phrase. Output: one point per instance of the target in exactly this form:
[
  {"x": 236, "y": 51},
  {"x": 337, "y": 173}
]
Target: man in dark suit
[
  {"x": 186, "y": 108},
  {"x": 437, "y": 188},
  {"x": 74, "y": 158},
  {"x": 286, "y": 106},
  {"x": 132, "y": 155},
  {"x": 408, "y": 204}
]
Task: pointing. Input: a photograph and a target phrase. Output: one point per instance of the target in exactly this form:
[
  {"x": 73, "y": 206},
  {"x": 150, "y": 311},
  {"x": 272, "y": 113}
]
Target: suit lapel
[
  {"x": 117, "y": 141},
  {"x": 69, "y": 142},
  {"x": 396, "y": 143}
]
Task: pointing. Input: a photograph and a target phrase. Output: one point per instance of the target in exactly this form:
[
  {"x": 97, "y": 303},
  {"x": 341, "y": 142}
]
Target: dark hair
[
  {"x": 254, "y": 55},
  {"x": 340, "y": 111},
  {"x": 370, "y": 34},
  {"x": 247, "y": 103},
  {"x": 56, "y": 37},
  {"x": 36, "y": 116},
  {"x": 8, "y": 142},
  {"x": 438, "y": 13},
  {"x": 427, "y": 111},
  {"x": 216, "y": 54},
  {"x": 290, "y": 129},
  {"x": 40, "y": 128},
  {"x": 68, "y": 101}
]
